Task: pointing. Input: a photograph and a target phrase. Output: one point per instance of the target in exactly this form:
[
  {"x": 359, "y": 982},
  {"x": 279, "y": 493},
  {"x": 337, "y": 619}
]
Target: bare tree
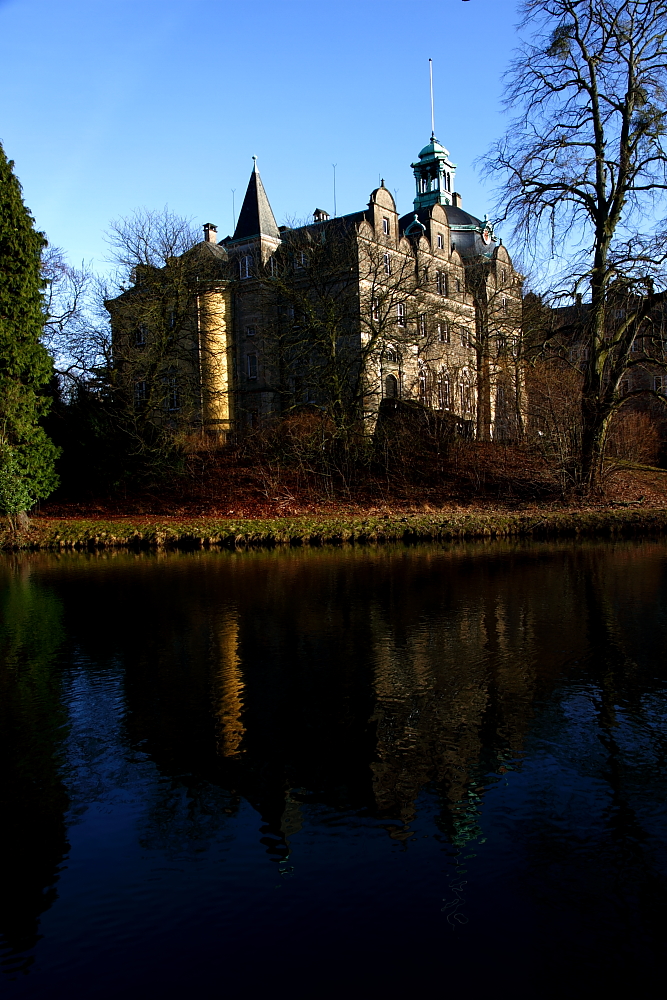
[
  {"x": 75, "y": 334},
  {"x": 586, "y": 175},
  {"x": 158, "y": 356},
  {"x": 148, "y": 237}
]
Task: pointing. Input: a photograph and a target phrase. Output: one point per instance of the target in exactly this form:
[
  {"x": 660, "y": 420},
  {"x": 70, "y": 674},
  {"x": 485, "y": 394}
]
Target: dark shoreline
[{"x": 57, "y": 534}]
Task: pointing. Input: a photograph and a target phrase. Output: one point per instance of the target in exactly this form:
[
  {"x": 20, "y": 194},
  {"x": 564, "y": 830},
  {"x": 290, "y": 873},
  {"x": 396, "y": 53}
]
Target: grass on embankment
[{"x": 58, "y": 534}]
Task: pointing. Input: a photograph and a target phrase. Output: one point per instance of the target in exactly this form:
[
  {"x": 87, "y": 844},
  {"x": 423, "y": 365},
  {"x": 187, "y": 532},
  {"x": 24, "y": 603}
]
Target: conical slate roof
[{"x": 256, "y": 217}]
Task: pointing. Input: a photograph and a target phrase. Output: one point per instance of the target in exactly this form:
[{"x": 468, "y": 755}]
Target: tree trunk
[{"x": 594, "y": 426}]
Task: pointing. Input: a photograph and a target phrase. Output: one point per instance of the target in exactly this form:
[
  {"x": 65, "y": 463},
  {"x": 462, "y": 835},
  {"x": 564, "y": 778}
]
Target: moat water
[{"x": 335, "y": 772}]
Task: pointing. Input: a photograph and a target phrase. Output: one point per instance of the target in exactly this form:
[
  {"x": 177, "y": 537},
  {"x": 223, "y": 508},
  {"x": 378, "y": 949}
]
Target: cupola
[{"x": 434, "y": 175}]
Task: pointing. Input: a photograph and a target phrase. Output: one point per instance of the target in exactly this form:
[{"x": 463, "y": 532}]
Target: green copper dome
[{"x": 434, "y": 147}]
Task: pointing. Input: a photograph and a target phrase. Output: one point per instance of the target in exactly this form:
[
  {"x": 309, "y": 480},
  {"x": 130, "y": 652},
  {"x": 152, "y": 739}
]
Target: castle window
[
  {"x": 422, "y": 325},
  {"x": 636, "y": 346},
  {"x": 466, "y": 396},
  {"x": 171, "y": 395},
  {"x": 376, "y": 310},
  {"x": 250, "y": 331},
  {"x": 387, "y": 263},
  {"x": 139, "y": 393},
  {"x": 385, "y": 227},
  {"x": 245, "y": 266},
  {"x": 504, "y": 304},
  {"x": 465, "y": 337},
  {"x": 422, "y": 385},
  {"x": 441, "y": 283},
  {"x": 625, "y": 387},
  {"x": 400, "y": 314},
  {"x": 443, "y": 333},
  {"x": 252, "y": 366},
  {"x": 390, "y": 355},
  {"x": 458, "y": 284},
  {"x": 503, "y": 276},
  {"x": 657, "y": 383},
  {"x": 443, "y": 392},
  {"x": 441, "y": 242},
  {"x": 391, "y": 387},
  {"x": 140, "y": 335}
]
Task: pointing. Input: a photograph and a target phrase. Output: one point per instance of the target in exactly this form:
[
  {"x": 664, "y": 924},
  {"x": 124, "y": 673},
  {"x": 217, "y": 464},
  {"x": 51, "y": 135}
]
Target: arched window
[
  {"x": 466, "y": 396},
  {"x": 391, "y": 387},
  {"x": 443, "y": 391},
  {"x": 422, "y": 385}
]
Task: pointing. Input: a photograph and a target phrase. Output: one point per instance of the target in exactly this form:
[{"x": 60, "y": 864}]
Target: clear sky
[{"x": 110, "y": 105}]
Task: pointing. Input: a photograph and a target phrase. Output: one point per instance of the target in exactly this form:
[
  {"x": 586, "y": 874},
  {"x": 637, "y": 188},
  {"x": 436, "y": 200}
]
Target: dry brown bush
[{"x": 634, "y": 437}]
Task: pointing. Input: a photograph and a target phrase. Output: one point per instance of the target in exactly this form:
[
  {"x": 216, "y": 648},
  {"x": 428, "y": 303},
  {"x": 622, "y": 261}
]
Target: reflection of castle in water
[
  {"x": 340, "y": 679},
  {"x": 228, "y": 683},
  {"x": 444, "y": 686}
]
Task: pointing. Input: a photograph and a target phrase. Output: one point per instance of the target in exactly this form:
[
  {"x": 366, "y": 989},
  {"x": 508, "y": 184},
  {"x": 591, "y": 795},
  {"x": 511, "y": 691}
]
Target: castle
[{"x": 341, "y": 315}]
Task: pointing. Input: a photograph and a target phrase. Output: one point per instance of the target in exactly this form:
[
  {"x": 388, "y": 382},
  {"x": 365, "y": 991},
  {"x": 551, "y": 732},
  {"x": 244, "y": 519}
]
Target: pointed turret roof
[{"x": 256, "y": 217}]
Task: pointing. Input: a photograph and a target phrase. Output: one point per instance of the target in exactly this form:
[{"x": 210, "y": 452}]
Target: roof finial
[
  {"x": 382, "y": 182},
  {"x": 254, "y": 165},
  {"x": 430, "y": 72}
]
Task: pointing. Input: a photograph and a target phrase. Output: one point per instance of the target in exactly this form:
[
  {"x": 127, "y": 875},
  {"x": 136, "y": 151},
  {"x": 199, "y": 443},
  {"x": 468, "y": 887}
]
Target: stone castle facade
[{"x": 362, "y": 311}]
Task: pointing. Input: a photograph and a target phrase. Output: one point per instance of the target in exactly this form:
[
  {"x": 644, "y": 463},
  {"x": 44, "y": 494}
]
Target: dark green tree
[{"x": 25, "y": 365}]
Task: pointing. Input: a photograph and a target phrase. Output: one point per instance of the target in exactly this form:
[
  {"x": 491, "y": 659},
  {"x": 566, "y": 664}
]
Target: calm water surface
[{"x": 335, "y": 772}]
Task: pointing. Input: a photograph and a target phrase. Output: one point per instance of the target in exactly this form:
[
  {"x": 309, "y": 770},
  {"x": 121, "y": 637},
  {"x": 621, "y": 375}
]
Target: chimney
[
  {"x": 456, "y": 199},
  {"x": 319, "y": 215},
  {"x": 210, "y": 233},
  {"x": 578, "y": 299}
]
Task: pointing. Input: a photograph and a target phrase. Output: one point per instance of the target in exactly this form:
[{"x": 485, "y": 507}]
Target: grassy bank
[{"x": 57, "y": 534}]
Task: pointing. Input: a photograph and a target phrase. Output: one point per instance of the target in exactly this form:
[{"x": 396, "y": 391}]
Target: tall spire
[{"x": 256, "y": 217}]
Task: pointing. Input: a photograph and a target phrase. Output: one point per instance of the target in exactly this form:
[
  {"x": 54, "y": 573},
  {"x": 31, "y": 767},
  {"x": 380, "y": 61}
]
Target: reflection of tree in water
[
  {"x": 611, "y": 731},
  {"x": 33, "y": 799}
]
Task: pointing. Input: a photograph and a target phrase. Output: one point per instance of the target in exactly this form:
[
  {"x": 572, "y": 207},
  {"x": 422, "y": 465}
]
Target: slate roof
[
  {"x": 256, "y": 217},
  {"x": 457, "y": 217}
]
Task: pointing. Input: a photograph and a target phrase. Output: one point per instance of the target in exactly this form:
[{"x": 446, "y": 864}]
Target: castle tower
[
  {"x": 256, "y": 217},
  {"x": 434, "y": 175}
]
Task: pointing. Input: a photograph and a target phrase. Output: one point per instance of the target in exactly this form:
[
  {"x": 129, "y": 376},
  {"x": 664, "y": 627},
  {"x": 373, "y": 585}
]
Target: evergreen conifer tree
[{"x": 25, "y": 365}]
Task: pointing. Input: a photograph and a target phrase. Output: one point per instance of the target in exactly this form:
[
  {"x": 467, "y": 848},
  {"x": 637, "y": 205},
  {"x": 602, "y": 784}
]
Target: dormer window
[
  {"x": 385, "y": 227},
  {"x": 245, "y": 266},
  {"x": 441, "y": 242}
]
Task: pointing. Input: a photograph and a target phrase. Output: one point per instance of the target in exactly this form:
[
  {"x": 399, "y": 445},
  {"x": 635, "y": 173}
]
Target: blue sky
[{"x": 109, "y": 105}]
